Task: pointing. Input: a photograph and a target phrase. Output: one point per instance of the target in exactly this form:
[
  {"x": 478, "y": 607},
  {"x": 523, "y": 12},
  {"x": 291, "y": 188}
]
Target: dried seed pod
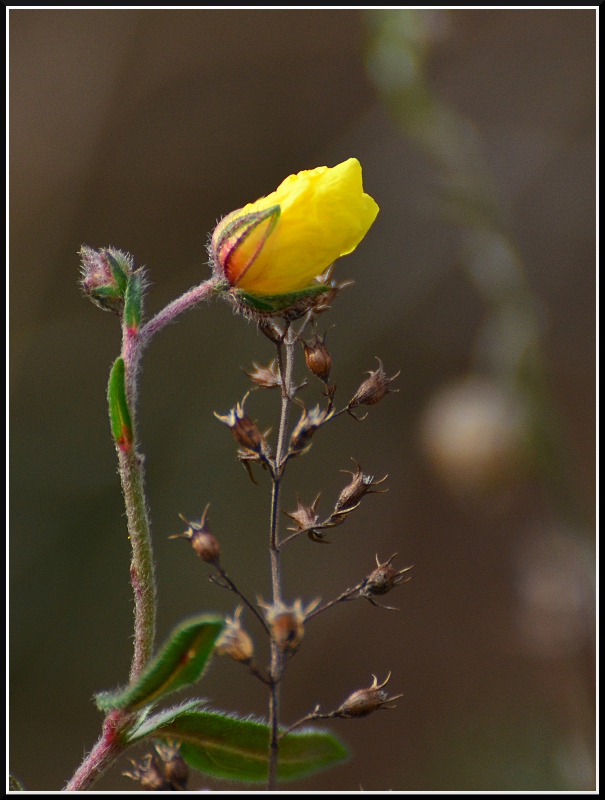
[
  {"x": 365, "y": 701},
  {"x": 245, "y": 431},
  {"x": 265, "y": 377},
  {"x": 286, "y": 623},
  {"x": 234, "y": 641},
  {"x": 373, "y": 389},
  {"x": 305, "y": 517},
  {"x": 359, "y": 486},
  {"x": 203, "y": 542},
  {"x": 383, "y": 579},
  {"x": 319, "y": 360}
]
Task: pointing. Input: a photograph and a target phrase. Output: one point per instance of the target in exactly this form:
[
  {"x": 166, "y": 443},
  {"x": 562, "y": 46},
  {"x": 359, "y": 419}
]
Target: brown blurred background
[{"x": 139, "y": 129}]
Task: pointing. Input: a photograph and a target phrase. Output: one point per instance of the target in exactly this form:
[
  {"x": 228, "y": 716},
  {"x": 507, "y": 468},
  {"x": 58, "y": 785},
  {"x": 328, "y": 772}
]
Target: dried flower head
[
  {"x": 203, "y": 542},
  {"x": 373, "y": 389},
  {"x": 306, "y": 426},
  {"x": 307, "y": 520},
  {"x": 286, "y": 623},
  {"x": 360, "y": 485},
  {"x": 382, "y": 580},
  {"x": 365, "y": 701},
  {"x": 234, "y": 641},
  {"x": 244, "y": 430},
  {"x": 265, "y": 377}
]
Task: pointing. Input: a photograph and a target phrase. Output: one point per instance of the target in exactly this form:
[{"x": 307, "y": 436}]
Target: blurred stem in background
[{"x": 508, "y": 347}]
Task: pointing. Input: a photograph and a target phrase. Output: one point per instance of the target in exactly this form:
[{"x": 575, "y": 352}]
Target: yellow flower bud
[{"x": 280, "y": 244}]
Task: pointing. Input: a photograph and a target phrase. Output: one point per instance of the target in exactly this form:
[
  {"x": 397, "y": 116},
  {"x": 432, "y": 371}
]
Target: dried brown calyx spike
[
  {"x": 365, "y": 701},
  {"x": 203, "y": 542},
  {"x": 234, "y": 641},
  {"x": 373, "y": 389},
  {"x": 382, "y": 580},
  {"x": 286, "y": 623},
  {"x": 265, "y": 377},
  {"x": 245, "y": 431}
]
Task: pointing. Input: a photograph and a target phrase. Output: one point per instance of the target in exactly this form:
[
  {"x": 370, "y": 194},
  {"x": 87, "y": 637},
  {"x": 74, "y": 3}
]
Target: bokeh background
[{"x": 475, "y": 130}]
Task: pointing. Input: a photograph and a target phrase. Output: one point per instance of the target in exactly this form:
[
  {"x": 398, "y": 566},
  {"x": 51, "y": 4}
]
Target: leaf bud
[
  {"x": 203, "y": 542},
  {"x": 105, "y": 275},
  {"x": 265, "y": 377},
  {"x": 176, "y": 768},
  {"x": 319, "y": 360},
  {"x": 149, "y": 774},
  {"x": 244, "y": 430},
  {"x": 286, "y": 623},
  {"x": 365, "y": 701},
  {"x": 306, "y": 426},
  {"x": 373, "y": 389},
  {"x": 234, "y": 641}
]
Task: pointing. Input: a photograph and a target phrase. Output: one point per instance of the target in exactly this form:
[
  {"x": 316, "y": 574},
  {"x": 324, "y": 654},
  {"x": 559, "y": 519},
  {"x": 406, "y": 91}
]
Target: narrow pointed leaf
[
  {"x": 179, "y": 663},
  {"x": 237, "y": 749},
  {"x": 119, "y": 413}
]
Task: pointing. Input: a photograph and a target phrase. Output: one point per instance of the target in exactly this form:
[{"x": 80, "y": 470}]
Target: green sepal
[
  {"x": 179, "y": 663},
  {"x": 224, "y": 746},
  {"x": 133, "y": 301},
  {"x": 107, "y": 291},
  {"x": 120, "y": 268},
  {"x": 119, "y": 413},
  {"x": 274, "y": 303},
  {"x": 14, "y": 785}
]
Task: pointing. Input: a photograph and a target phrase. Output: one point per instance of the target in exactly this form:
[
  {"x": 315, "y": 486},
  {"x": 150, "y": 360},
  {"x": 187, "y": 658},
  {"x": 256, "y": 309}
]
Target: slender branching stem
[
  {"x": 176, "y": 307},
  {"x": 286, "y": 366},
  {"x": 231, "y": 585},
  {"x": 349, "y": 594},
  {"x": 102, "y": 755}
]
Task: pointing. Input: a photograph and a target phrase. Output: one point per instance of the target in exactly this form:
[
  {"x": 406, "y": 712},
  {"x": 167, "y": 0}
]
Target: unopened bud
[
  {"x": 319, "y": 360},
  {"x": 365, "y": 701},
  {"x": 383, "y": 578},
  {"x": 150, "y": 774},
  {"x": 373, "y": 389},
  {"x": 105, "y": 276},
  {"x": 265, "y": 377},
  {"x": 234, "y": 641},
  {"x": 306, "y": 426},
  {"x": 271, "y": 330},
  {"x": 286, "y": 623},
  {"x": 203, "y": 542},
  {"x": 176, "y": 768},
  {"x": 359, "y": 486},
  {"x": 244, "y": 430}
]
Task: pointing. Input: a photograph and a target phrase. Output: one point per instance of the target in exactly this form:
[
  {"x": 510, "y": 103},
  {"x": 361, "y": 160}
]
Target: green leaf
[
  {"x": 119, "y": 413},
  {"x": 133, "y": 300},
  {"x": 179, "y": 663},
  {"x": 237, "y": 749}
]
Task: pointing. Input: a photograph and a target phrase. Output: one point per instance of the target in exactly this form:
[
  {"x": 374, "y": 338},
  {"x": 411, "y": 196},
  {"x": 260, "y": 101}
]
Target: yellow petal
[{"x": 324, "y": 214}]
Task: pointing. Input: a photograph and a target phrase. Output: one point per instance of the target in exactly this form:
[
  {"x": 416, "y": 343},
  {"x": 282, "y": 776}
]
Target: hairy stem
[{"x": 102, "y": 755}]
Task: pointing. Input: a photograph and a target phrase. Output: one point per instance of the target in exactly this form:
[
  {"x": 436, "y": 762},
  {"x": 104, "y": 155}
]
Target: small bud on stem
[
  {"x": 373, "y": 389},
  {"x": 365, "y": 701},
  {"x": 203, "y": 542}
]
